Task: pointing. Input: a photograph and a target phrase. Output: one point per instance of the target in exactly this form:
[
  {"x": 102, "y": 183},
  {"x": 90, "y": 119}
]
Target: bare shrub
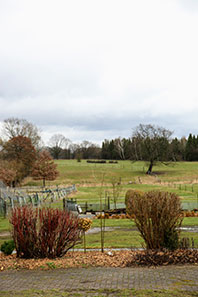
[
  {"x": 130, "y": 195},
  {"x": 157, "y": 215},
  {"x": 24, "y": 233},
  {"x": 43, "y": 233}
]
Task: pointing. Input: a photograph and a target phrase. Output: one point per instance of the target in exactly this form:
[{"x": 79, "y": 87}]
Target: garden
[{"x": 123, "y": 238}]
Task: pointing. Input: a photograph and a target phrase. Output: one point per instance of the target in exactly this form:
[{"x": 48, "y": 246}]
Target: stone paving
[{"x": 170, "y": 277}]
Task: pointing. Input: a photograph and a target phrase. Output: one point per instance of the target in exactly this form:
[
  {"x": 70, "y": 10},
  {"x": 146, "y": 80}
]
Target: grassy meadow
[{"x": 93, "y": 180}]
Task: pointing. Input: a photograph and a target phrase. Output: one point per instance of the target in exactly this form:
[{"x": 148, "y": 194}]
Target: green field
[
  {"x": 180, "y": 177},
  {"x": 72, "y": 171}
]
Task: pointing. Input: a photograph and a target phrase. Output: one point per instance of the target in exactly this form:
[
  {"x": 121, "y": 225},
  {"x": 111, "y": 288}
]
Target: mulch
[{"x": 107, "y": 259}]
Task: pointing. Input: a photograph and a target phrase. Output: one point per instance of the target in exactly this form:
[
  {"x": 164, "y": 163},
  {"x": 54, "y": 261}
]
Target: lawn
[
  {"x": 125, "y": 235},
  {"x": 4, "y": 224},
  {"x": 122, "y": 235},
  {"x": 73, "y": 172}
]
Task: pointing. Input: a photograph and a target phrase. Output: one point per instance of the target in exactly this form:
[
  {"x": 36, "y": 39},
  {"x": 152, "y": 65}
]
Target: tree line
[
  {"x": 183, "y": 149},
  {"x": 139, "y": 146}
]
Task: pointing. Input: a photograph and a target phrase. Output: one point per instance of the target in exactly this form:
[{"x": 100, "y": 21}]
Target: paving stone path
[{"x": 170, "y": 277}]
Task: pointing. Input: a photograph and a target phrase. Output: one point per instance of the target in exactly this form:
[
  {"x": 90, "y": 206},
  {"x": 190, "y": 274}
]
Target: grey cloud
[
  {"x": 82, "y": 72},
  {"x": 191, "y": 5}
]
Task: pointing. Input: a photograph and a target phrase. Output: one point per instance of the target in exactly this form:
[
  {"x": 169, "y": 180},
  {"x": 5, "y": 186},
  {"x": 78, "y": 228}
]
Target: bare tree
[
  {"x": 151, "y": 144},
  {"x": 116, "y": 190},
  {"x": 57, "y": 143},
  {"x": 119, "y": 147},
  {"x": 13, "y": 127},
  {"x": 89, "y": 150}
]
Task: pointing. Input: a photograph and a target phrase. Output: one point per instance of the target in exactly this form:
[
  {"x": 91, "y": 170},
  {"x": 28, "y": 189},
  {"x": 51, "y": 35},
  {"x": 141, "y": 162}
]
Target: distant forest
[
  {"x": 184, "y": 149},
  {"x": 147, "y": 143}
]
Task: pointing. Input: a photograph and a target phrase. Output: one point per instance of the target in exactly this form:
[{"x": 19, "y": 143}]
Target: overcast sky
[{"x": 92, "y": 70}]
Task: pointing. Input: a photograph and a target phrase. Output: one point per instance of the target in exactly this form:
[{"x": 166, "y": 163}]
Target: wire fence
[{"x": 10, "y": 197}]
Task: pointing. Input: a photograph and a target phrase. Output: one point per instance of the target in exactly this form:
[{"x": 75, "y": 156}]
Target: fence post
[
  {"x": 31, "y": 201},
  {"x": 108, "y": 199},
  {"x": 4, "y": 209},
  {"x": 64, "y": 206},
  {"x": 11, "y": 202},
  {"x": 197, "y": 200},
  {"x": 86, "y": 207}
]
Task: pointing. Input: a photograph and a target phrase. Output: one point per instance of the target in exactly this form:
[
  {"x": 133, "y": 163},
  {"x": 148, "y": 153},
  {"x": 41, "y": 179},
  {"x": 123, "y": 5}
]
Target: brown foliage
[
  {"x": 84, "y": 224},
  {"x": 130, "y": 195},
  {"x": 20, "y": 151},
  {"x": 44, "y": 168},
  {"x": 7, "y": 172},
  {"x": 157, "y": 216},
  {"x": 156, "y": 258}
]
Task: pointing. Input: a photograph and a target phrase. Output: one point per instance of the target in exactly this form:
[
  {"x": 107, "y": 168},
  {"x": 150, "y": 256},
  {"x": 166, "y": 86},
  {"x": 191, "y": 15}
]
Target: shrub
[
  {"x": 8, "y": 247},
  {"x": 130, "y": 195},
  {"x": 43, "y": 233},
  {"x": 84, "y": 224},
  {"x": 97, "y": 161},
  {"x": 24, "y": 233},
  {"x": 186, "y": 243},
  {"x": 192, "y": 213},
  {"x": 157, "y": 216},
  {"x": 58, "y": 232},
  {"x": 171, "y": 239}
]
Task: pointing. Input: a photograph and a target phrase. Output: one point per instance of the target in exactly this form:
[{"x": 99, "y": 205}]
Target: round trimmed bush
[{"x": 8, "y": 247}]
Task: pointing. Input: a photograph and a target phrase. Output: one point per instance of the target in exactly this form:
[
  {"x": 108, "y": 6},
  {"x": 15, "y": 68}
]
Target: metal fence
[{"x": 10, "y": 197}]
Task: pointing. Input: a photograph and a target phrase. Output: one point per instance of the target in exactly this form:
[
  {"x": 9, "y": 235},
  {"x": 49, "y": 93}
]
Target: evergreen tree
[{"x": 192, "y": 148}]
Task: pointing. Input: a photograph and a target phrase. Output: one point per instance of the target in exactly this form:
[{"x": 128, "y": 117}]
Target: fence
[{"x": 10, "y": 198}]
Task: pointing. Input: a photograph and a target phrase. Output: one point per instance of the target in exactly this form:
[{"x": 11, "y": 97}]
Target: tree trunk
[
  {"x": 43, "y": 182},
  {"x": 149, "y": 171}
]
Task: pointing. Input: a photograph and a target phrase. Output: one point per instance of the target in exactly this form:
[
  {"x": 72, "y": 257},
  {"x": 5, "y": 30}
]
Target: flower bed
[{"x": 108, "y": 259}]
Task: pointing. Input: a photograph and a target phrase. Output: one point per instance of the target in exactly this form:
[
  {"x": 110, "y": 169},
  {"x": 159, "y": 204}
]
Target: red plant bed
[{"x": 46, "y": 232}]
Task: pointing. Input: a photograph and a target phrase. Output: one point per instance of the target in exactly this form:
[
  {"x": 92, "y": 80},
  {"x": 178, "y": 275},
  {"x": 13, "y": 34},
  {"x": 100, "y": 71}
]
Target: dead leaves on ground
[
  {"x": 71, "y": 259},
  {"x": 106, "y": 259},
  {"x": 156, "y": 258}
]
